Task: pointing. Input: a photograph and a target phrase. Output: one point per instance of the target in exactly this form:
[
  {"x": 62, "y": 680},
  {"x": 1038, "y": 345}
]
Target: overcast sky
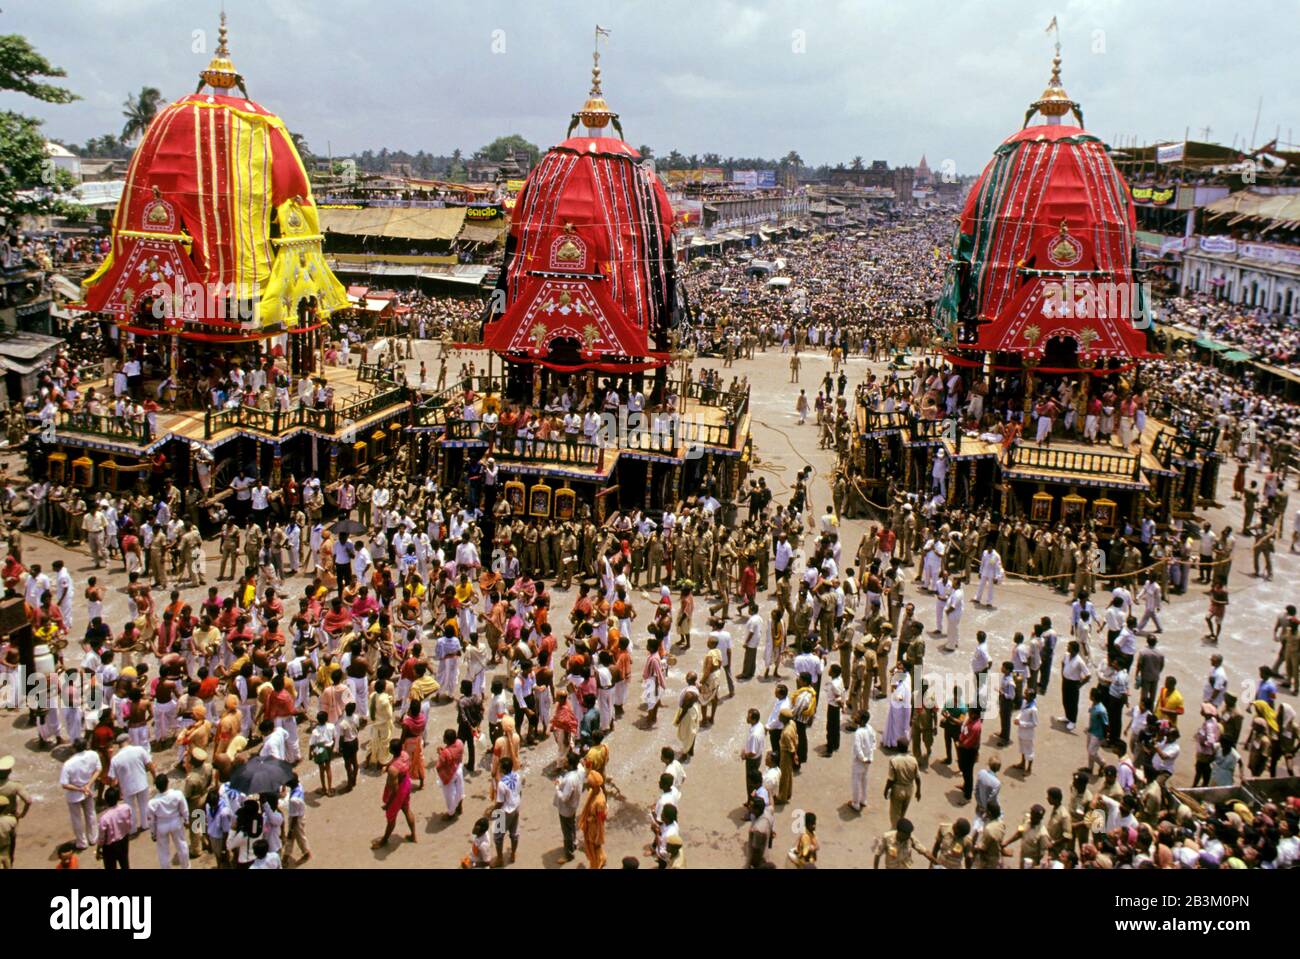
[{"x": 884, "y": 79}]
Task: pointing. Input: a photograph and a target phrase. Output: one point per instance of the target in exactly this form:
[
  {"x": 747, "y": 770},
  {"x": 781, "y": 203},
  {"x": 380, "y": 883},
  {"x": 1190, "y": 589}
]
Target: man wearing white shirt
[
  {"x": 780, "y": 702},
  {"x": 990, "y": 573},
  {"x": 752, "y": 753},
  {"x": 169, "y": 818},
  {"x": 784, "y": 554},
  {"x": 131, "y": 767},
  {"x": 590, "y": 427},
  {"x": 379, "y": 504},
  {"x": 1150, "y": 596},
  {"x": 953, "y": 610},
  {"x": 864, "y": 753},
  {"x": 1120, "y": 592},
  {"x": 467, "y": 557},
  {"x": 361, "y": 564},
  {"x": 275, "y": 741},
  {"x": 37, "y": 583},
  {"x": 568, "y": 797},
  {"x": 77, "y": 780},
  {"x": 1074, "y": 673},
  {"x": 63, "y": 590},
  {"x": 260, "y": 502},
  {"x": 979, "y": 665},
  {"x": 755, "y": 629},
  {"x": 243, "y": 486}
]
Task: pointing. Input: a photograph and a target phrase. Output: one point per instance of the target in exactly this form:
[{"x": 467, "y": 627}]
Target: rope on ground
[{"x": 777, "y": 429}]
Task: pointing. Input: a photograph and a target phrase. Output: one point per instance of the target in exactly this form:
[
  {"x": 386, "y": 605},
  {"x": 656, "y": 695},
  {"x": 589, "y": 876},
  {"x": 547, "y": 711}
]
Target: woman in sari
[
  {"x": 591, "y": 820},
  {"x": 382, "y": 731},
  {"x": 397, "y": 794},
  {"x": 413, "y": 741}
]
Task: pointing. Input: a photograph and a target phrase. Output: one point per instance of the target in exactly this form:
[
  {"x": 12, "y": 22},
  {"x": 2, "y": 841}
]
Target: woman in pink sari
[{"x": 397, "y": 795}]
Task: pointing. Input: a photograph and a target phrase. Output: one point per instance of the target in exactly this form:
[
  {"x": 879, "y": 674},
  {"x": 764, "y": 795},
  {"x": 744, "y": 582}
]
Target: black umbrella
[
  {"x": 261, "y": 774},
  {"x": 349, "y": 526}
]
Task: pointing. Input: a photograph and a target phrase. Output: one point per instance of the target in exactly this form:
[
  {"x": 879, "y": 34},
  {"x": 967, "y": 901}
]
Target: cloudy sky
[{"x": 884, "y": 79}]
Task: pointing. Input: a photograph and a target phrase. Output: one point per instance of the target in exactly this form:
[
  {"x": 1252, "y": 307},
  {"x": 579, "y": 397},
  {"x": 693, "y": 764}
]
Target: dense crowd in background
[
  {"x": 864, "y": 291},
  {"x": 1272, "y": 337}
]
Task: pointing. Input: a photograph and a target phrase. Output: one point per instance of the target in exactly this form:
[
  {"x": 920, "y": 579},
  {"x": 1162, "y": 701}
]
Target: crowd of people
[
  {"x": 866, "y": 295},
  {"x": 378, "y": 632},
  {"x": 1272, "y": 337}
]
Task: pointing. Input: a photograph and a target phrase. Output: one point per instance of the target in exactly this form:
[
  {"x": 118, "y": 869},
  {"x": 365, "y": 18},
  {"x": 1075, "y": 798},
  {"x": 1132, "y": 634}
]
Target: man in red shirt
[
  {"x": 968, "y": 750},
  {"x": 885, "y": 546}
]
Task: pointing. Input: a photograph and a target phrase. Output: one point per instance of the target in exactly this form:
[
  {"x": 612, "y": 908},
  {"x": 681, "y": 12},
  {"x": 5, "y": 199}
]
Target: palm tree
[
  {"x": 140, "y": 111},
  {"x": 856, "y": 164},
  {"x": 646, "y": 151},
  {"x": 300, "y": 144}
]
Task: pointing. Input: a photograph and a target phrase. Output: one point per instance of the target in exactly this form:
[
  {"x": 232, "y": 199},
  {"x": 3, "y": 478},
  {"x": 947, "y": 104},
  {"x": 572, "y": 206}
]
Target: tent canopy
[{"x": 438, "y": 223}]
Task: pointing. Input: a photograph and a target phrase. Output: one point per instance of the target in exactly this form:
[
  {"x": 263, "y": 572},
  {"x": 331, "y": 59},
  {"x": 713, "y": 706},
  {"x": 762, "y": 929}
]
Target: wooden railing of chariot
[
  {"x": 442, "y": 410},
  {"x": 1088, "y": 462},
  {"x": 277, "y": 422},
  {"x": 104, "y": 425}
]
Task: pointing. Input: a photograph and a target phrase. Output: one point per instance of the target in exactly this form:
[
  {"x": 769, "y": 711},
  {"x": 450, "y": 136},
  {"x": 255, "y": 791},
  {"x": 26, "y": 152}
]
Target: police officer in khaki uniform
[
  {"x": 654, "y": 552},
  {"x": 568, "y": 556},
  {"x": 904, "y": 780}
]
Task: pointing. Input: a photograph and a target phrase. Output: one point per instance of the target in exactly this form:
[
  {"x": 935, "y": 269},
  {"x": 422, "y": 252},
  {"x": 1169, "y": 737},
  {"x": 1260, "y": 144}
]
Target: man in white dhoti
[
  {"x": 939, "y": 473},
  {"x": 447, "y": 651},
  {"x": 990, "y": 573},
  {"x": 1149, "y": 594},
  {"x": 955, "y": 606},
  {"x": 933, "y": 562},
  {"x": 942, "y": 590},
  {"x": 898, "y": 721},
  {"x": 1026, "y": 730}
]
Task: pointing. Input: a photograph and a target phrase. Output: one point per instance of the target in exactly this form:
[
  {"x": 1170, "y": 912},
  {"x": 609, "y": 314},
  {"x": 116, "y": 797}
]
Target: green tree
[
  {"x": 30, "y": 183},
  {"x": 856, "y": 164},
  {"x": 21, "y": 68},
  {"x": 139, "y": 111},
  {"x": 300, "y": 144},
  {"x": 647, "y": 153},
  {"x": 497, "y": 150}
]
